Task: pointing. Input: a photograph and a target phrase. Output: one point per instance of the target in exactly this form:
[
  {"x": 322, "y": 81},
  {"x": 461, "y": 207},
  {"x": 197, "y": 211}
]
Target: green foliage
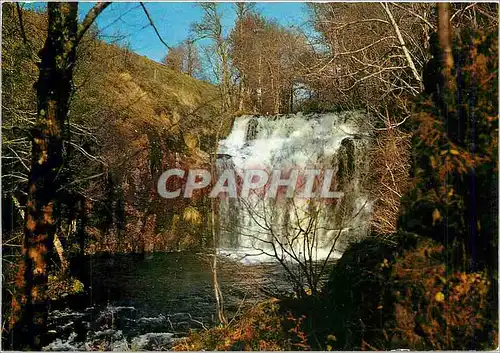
[{"x": 455, "y": 149}]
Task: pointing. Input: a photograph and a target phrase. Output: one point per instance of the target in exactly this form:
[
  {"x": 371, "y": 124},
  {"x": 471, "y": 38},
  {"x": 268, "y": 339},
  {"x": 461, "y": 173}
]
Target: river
[{"x": 147, "y": 302}]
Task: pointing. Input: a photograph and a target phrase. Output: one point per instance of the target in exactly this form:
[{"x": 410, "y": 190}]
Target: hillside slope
[{"x": 130, "y": 119}]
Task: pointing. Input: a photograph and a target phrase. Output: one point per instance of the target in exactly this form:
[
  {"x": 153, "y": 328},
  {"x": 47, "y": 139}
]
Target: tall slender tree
[
  {"x": 210, "y": 27},
  {"x": 54, "y": 88},
  {"x": 184, "y": 58},
  {"x": 444, "y": 33},
  {"x": 242, "y": 10}
]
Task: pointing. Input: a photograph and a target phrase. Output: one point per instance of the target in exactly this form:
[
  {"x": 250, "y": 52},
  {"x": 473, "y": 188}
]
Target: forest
[{"x": 390, "y": 108}]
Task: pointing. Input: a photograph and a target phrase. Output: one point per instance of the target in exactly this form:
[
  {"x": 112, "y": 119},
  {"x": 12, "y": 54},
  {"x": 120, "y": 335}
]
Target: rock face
[{"x": 346, "y": 162}]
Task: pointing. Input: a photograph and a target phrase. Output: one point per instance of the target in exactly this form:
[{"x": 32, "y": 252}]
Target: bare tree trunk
[
  {"x": 53, "y": 92},
  {"x": 54, "y": 88},
  {"x": 57, "y": 242},
  {"x": 277, "y": 101},
  {"x": 259, "y": 89},
  {"x": 444, "y": 33},
  {"x": 226, "y": 80},
  {"x": 189, "y": 59},
  {"x": 80, "y": 228},
  {"x": 211, "y": 27},
  {"x": 60, "y": 252},
  {"x": 241, "y": 104},
  {"x": 225, "y": 85},
  {"x": 219, "y": 299}
]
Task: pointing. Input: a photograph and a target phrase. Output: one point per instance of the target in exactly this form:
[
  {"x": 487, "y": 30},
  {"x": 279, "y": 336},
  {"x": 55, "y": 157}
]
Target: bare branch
[
  {"x": 403, "y": 45},
  {"x": 153, "y": 25},
  {"x": 21, "y": 24},
  {"x": 90, "y": 18},
  {"x": 414, "y": 14}
]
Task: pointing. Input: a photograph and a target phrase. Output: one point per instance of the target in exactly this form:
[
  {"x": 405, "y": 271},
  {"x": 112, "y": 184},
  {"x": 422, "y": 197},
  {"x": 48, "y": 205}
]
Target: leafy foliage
[
  {"x": 454, "y": 196},
  {"x": 404, "y": 294},
  {"x": 440, "y": 309}
]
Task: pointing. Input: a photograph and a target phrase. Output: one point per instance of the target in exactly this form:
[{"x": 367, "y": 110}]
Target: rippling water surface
[{"x": 136, "y": 302}]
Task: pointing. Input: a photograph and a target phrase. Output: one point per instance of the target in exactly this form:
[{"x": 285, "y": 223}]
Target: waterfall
[{"x": 256, "y": 228}]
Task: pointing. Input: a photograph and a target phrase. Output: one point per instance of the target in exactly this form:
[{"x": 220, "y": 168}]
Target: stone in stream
[
  {"x": 153, "y": 341},
  {"x": 60, "y": 345}
]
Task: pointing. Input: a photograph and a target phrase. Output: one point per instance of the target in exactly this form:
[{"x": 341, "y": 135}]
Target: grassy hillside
[{"x": 130, "y": 119}]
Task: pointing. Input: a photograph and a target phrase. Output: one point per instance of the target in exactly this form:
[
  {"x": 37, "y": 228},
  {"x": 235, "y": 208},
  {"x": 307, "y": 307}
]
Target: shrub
[
  {"x": 436, "y": 308},
  {"x": 358, "y": 290},
  {"x": 404, "y": 295},
  {"x": 261, "y": 328}
]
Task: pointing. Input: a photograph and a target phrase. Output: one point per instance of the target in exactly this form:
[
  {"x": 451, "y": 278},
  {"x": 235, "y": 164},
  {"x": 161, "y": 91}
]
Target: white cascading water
[{"x": 256, "y": 229}]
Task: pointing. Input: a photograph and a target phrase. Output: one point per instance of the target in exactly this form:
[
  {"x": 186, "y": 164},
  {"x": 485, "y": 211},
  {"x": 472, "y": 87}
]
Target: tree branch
[
  {"x": 414, "y": 14},
  {"x": 90, "y": 18},
  {"x": 21, "y": 24},
  {"x": 153, "y": 25},
  {"x": 403, "y": 45}
]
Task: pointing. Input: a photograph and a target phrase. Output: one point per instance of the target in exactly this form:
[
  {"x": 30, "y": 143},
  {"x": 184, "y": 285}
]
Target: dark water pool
[{"x": 146, "y": 302}]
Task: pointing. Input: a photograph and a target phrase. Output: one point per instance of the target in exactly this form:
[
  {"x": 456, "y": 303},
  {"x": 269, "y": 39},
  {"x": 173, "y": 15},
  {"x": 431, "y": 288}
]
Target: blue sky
[{"x": 127, "y": 21}]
